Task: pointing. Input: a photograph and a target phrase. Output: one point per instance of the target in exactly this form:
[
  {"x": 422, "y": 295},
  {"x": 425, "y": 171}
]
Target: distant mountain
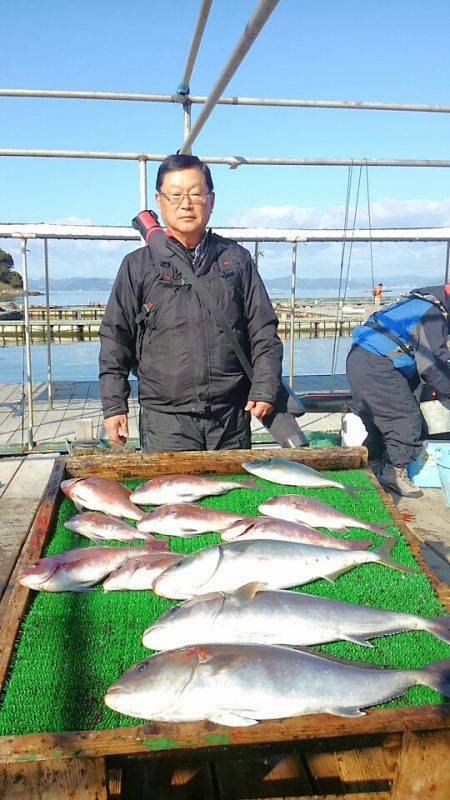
[
  {"x": 73, "y": 284},
  {"x": 391, "y": 281},
  {"x": 283, "y": 283}
]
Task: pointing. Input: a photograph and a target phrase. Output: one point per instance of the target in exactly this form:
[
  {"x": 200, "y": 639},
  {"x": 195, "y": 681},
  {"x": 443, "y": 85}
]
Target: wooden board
[
  {"x": 224, "y": 462},
  {"x": 163, "y": 738}
]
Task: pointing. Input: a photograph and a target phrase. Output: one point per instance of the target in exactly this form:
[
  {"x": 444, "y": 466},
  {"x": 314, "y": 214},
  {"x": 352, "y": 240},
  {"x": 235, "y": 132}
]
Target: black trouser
[
  {"x": 226, "y": 429},
  {"x": 383, "y": 397}
]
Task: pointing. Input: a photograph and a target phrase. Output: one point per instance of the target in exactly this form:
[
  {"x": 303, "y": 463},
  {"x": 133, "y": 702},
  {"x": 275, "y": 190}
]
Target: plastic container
[
  {"x": 443, "y": 465},
  {"x": 436, "y": 414},
  {"x": 423, "y": 471}
]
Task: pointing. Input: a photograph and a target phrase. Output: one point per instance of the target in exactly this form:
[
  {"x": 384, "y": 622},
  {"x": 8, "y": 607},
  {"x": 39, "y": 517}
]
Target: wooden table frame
[{"x": 421, "y": 732}]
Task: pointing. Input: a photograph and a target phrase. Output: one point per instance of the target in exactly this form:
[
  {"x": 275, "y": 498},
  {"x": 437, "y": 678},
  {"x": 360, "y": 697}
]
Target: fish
[
  {"x": 98, "y": 527},
  {"x": 294, "y": 473},
  {"x": 183, "y": 489},
  {"x": 276, "y": 564},
  {"x": 238, "y": 685},
  {"x": 184, "y": 519},
  {"x": 79, "y": 569},
  {"x": 309, "y": 511},
  {"x": 101, "y": 494},
  {"x": 254, "y": 615},
  {"x": 140, "y": 572},
  {"x": 270, "y": 528}
]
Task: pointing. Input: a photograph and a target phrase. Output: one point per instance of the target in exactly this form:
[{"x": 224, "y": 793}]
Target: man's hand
[
  {"x": 117, "y": 428},
  {"x": 258, "y": 408}
]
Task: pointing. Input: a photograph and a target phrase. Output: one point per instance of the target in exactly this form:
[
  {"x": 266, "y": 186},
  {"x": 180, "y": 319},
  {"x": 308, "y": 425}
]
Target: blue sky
[{"x": 349, "y": 50}]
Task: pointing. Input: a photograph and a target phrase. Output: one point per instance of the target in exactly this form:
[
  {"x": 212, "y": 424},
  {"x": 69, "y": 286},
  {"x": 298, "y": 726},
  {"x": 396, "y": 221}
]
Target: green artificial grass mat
[{"x": 71, "y": 647}]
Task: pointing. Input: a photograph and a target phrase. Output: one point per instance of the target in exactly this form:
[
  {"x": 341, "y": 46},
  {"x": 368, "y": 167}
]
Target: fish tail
[
  {"x": 248, "y": 484},
  {"x": 353, "y": 491},
  {"x": 381, "y": 530},
  {"x": 438, "y": 626},
  {"x": 436, "y": 675},
  {"x": 359, "y": 544},
  {"x": 384, "y": 553}
]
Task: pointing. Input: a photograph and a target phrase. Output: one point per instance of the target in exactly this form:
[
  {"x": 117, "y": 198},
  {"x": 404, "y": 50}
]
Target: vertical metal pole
[
  {"x": 256, "y": 256},
  {"x": 27, "y": 344},
  {"x": 447, "y": 262},
  {"x": 187, "y": 123},
  {"x": 293, "y": 279},
  {"x": 48, "y": 329},
  {"x": 143, "y": 183}
]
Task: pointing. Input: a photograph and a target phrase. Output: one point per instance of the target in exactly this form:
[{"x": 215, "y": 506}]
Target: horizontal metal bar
[
  {"x": 233, "y": 161},
  {"x": 122, "y": 233},
  {"x": 288, "y": 102}
]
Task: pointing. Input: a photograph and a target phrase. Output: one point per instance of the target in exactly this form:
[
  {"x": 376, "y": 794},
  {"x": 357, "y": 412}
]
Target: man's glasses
[{"x": 176, "y": 198}]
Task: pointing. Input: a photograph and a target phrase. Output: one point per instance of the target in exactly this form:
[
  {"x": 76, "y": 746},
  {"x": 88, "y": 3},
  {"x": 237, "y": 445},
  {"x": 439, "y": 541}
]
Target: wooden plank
[
  {"x": 364, "y": 770},
  {"x": 143, "y": 465},
  {"x": 18, "y": 506},
  {"x": 323, "y": 768},
  {"x": 160, "y": 781},
  {"x": 77, "y": 780},
  {"x": 261, "y": 776},
  {"x": 16, "y": 597},
  {"x": 423, "y": 767},
  {"x": 8, "y": 468},
  {"x": 162, "y": 738}
]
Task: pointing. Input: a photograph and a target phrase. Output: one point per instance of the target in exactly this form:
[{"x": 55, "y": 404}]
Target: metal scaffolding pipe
[
  {"x": 293, "y": 280},
  {"x": 26, "y": 319},
  {"x": 143, "y": 182},
  {"x": 233, "y": 161},
  {"x": 251, "y": 31},
  {"x": 48, "y": 328},
  {"x": 123, "y": 233},
  {"x": 287, "y": 102},
  {"x": 186, "y": 122},
  {"x": 195, "y": 44}
]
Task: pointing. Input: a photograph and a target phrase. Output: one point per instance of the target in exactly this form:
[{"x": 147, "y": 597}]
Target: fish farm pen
[{"x": 60, "y": 652}]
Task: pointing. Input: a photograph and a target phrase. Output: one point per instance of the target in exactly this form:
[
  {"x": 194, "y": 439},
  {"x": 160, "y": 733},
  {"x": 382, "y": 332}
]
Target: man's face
[{"x": 188, "y": 218}]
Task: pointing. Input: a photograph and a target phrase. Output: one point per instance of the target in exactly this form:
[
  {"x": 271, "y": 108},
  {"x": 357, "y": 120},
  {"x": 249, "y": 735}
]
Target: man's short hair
[{"x": 181, "y": 161}]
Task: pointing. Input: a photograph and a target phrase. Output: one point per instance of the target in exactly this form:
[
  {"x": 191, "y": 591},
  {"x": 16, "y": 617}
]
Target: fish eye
[
  {"x": 141, "y": 667},
  {"x": 172, "y": 610}
]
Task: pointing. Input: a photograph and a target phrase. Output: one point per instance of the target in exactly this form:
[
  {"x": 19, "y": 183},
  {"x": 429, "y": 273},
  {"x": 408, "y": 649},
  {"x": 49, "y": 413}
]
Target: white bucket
[{"x": 436, "y": 414}]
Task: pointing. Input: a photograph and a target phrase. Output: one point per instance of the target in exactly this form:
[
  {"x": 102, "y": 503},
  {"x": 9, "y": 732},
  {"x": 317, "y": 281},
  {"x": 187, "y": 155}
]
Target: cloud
[
  {"x": 324, "y": 259},
  {"x": 388, "y": 212}
]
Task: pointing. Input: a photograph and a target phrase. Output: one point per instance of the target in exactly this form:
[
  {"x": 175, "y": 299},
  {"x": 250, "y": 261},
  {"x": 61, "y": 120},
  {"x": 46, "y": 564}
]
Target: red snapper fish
[
  {"x": 103, "y": 527},
  {"x": 79, "y": 569},
  {"x": 185, "y": 519},
  {"x": 270, "y": 528},
  {"x": 101, "y": 494},
  {"x": 184, "y": 489}
]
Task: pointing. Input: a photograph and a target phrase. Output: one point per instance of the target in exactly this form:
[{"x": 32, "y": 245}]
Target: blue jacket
[{"x": 421, "y": 322}]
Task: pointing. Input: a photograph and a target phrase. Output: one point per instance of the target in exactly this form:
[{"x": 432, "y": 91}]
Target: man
[
  {"x": 193, "y": 391},
  {"x": 393, "y": 351},
  {"x": 377, "y": 294}
]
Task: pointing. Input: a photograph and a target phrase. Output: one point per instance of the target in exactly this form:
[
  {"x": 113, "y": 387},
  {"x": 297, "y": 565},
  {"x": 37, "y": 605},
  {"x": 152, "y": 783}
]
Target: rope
[{"x": 370, "y": 228}]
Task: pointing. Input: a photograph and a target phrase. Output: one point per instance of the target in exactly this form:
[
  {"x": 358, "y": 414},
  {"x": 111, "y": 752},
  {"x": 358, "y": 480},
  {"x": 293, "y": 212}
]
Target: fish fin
[
  {"x": 337, "y": 572},
  {"x": 83, "y": 587},
  {"x": 440, "y": 627},
  {"x": 232, "y": 719},
  {"x": 247, "y": 592},
  {"x": 342, "y": 711},
  {"x": 381, "y": 530},
  {"x": 79, "y": 506},
  {"x": 436, "y": 675},
  {"x": 356, "y": 640},
  {"x": 384, "y": 553}
]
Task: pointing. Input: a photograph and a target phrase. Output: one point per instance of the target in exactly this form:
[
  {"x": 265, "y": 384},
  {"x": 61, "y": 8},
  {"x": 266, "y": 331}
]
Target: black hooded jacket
[{"x": 184, "y": 362}]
